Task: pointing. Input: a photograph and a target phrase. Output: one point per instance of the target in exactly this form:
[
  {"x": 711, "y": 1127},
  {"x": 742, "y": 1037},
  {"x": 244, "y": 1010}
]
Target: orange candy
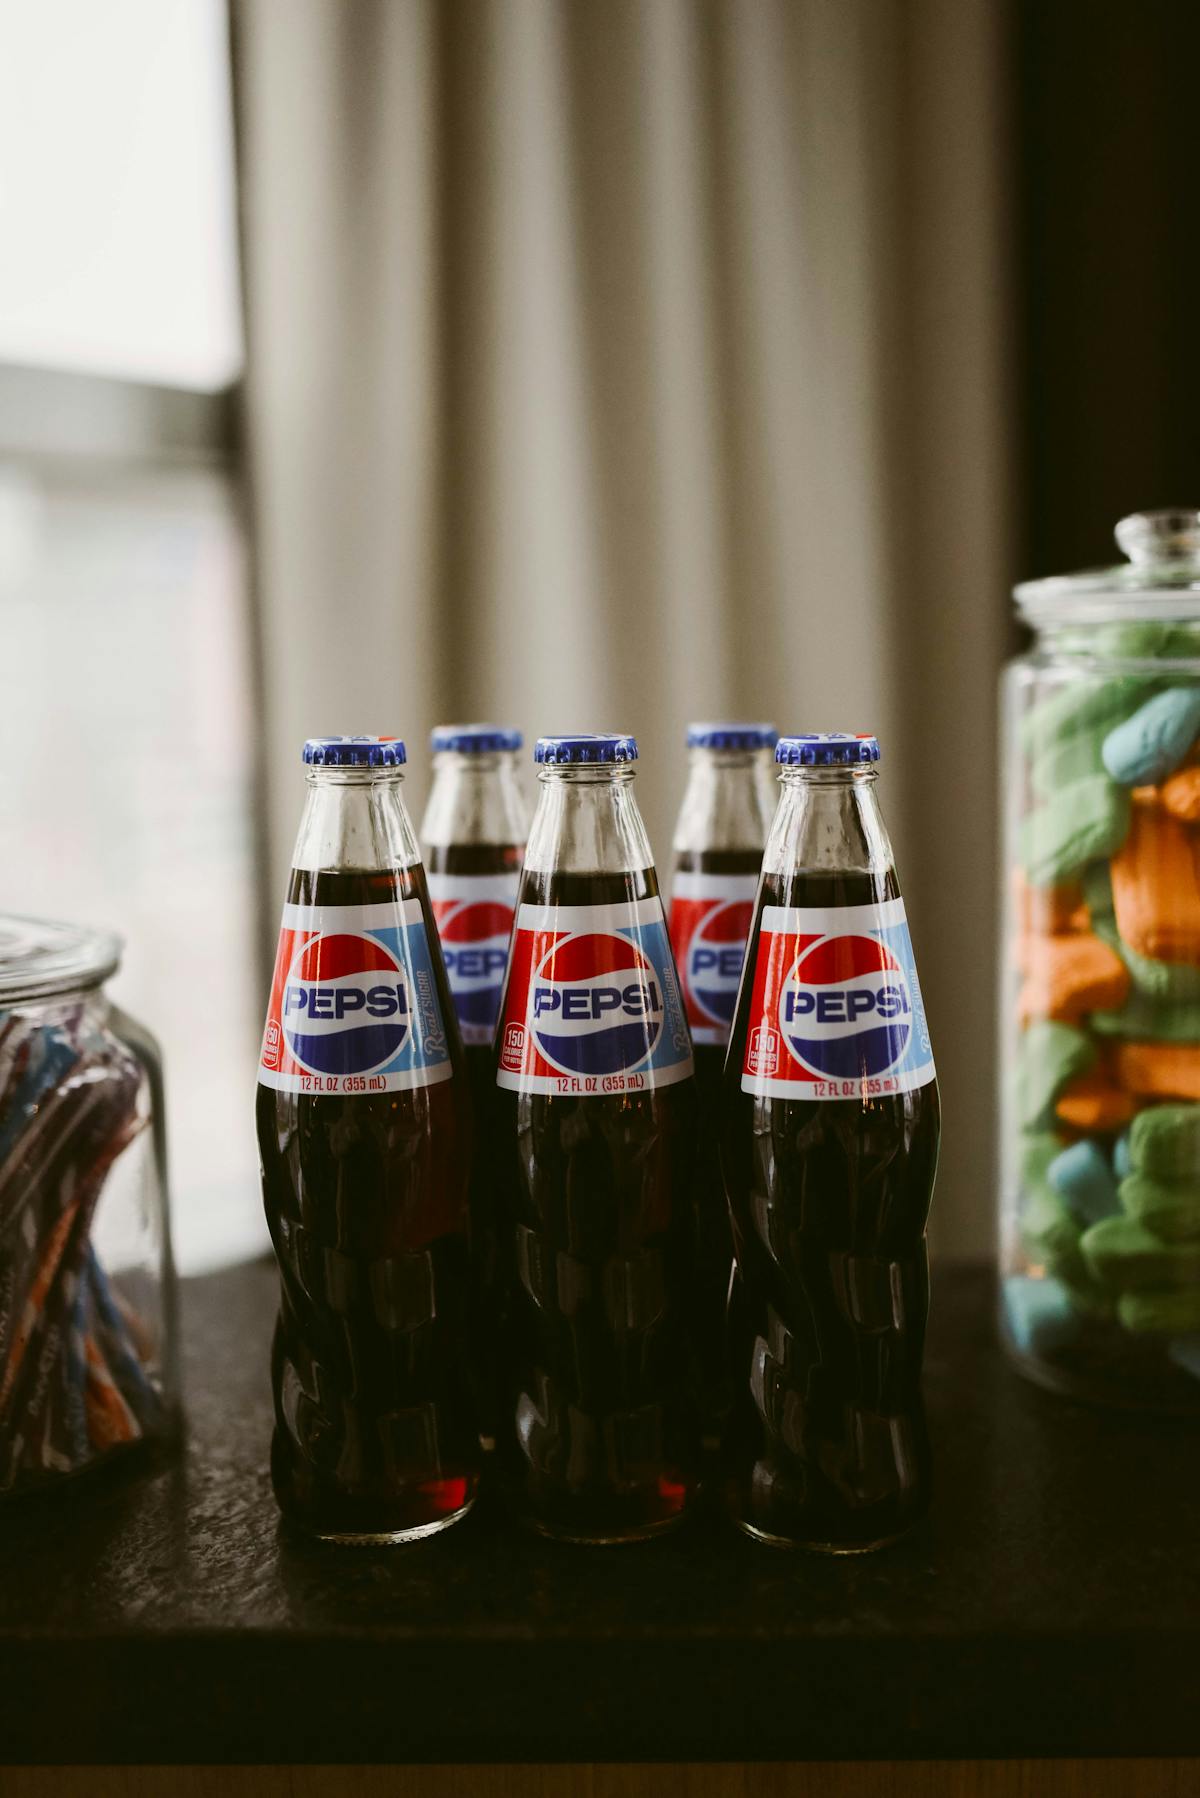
[
  {"x": 1091, "y": 1102},
  {"x": 1158, "y": 1070},
  {"x": 1180, "y": 795},
  {"x": 1156, "y": 887},
  {"x": 1068, "y": 976},
  {"x": 1048, "y": 911}
]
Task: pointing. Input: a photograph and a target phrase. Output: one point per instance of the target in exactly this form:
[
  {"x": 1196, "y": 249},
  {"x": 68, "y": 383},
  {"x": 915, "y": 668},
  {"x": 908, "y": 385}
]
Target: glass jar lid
[
  {"x": 1161, "y": 579},
  {"x": 39, "y": 958}
]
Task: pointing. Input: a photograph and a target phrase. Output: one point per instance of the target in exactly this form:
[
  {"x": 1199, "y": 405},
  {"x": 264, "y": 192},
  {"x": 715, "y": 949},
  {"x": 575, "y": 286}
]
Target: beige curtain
[{"x": 615, "y": 362}]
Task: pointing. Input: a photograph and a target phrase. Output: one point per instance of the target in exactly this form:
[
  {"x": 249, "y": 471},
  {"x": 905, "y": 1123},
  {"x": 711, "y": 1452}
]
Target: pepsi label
[
  {"x": 593, "y": 1004},
  {"x": 835, "y": 1008},
  {"x": 711, "y": 915},
  {"x": 474, "y": 914},
  {"x": 354, "y": 1004}
]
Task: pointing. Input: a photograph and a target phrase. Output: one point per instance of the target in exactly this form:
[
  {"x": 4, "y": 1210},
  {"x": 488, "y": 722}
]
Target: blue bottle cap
[
  {"x": 354, "y": 752},
  {"x": 574, "y": 751},
  {"x": 473, "y": 739},
  {"x": 825, "y": 749},
  {"x": 732, "y": 736}
]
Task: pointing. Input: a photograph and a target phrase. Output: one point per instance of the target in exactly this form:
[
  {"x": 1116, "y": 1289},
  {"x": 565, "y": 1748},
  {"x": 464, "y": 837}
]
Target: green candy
[
  {"x": 1124, "y": 1256},
  {"x": 1050, "y": 1055},
  {"x": 1076, "y": 706},
  {"x": 1097, "y": 891},
  {"x": 1164, "y": 1142},
  {"x": 1136, "y": 642},
  {"x": 1090, "y": 818},
  {"x": 1146, "y": 1021},
  {"x": 1168, "y": 1208},
  {"x": 1051, "y": 1236},
  {"x": 1068, "y": 760},
  {"x": 1038, "y": 1149},
  {"x": 1047, "y": 1227},
  {"x": 1160, "y": 1313}
]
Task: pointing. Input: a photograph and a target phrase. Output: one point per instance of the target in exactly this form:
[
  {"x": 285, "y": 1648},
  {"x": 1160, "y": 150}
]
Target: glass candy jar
[
  {"x": 87, "y": 1329},
  {"x": 1100, "y": 1001}
]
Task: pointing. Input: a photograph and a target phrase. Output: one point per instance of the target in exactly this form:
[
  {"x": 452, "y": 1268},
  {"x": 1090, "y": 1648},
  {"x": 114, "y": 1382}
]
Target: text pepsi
[
  {"x": 595, "y": 1142},
  {"x": 829, "y": 1139},
  {"x": 364, "y": 1140},
  {"x": 718, "y": 844},
  {"x": 473, "y": 833}
]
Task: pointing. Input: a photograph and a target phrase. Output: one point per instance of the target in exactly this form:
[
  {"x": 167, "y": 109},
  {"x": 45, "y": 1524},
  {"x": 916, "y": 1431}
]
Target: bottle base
[
  {"x": 642, "y": 1532},
  {"x": 416, "y": 1532},
  {"x": 817, "y": 1547}
]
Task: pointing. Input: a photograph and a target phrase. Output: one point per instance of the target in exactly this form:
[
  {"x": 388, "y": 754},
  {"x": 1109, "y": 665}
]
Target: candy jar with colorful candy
[
  {"x": 1100, "y": 998},
  {"x": 87, "y": 1358}
]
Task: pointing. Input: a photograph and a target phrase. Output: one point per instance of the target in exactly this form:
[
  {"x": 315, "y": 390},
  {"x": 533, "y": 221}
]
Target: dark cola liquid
[
  {"x": 826, "y": 1444},
  {"x": 366, "y": 1199},
  {"x": 714, "y": 1240},
  {"x": 482, "y": 858},
  {"x": 600, "y": 1440}
]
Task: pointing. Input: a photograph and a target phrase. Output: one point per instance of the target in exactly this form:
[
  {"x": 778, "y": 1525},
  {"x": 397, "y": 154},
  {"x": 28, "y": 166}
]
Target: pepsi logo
[
  {"x": 345, "y": 1006},
  {"x": 714, "y": 958},
  {"x": 845, "y": 1008},
  {"x": 594, "y": 1005},
  {"x": 475, "y": 935}
]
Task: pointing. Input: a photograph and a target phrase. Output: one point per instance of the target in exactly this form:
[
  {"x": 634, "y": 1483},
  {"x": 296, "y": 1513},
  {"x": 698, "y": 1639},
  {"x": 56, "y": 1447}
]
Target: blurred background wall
[{"x": 583, "y": 365}]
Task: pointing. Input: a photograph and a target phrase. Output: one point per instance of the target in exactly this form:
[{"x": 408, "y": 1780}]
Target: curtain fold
[{"x": 611, "y": 365}]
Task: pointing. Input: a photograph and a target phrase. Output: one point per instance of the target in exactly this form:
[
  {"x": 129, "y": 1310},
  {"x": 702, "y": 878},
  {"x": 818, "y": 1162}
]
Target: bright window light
[{"x": 117, "y": 221}]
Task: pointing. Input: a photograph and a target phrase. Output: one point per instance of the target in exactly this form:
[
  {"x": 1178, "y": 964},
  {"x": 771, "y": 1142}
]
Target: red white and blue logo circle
[
  {"x": 845, "y": 1008},
  {"x": 345, "y": 1007},
  {"x": 475, "y": 935},
  {"x": 594, "y": 1005},
  {"x": 714, "y": 959}
]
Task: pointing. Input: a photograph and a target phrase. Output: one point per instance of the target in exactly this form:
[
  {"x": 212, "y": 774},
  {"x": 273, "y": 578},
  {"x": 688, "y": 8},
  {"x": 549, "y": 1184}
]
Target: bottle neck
[
  {"x": 828, "y": 821},
  {"x": 475, "y": 799},
  {"x": 587, "y": 822},
  {"x": 355, "y": 818},
  {"x": 724, "y": 803}
]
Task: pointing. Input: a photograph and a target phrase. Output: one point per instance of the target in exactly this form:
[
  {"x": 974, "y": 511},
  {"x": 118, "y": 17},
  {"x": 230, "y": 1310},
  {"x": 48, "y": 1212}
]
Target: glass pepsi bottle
[
  {"x": 718, "y": 846},
  {"x": 364, "y": 1140},
  {"x": 596, "y": 1137},
  {"x": 829, "y": 1139},
  {"x": 473, "y": 833}
]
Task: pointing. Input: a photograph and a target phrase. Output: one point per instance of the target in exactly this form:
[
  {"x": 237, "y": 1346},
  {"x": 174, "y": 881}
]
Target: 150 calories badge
[
  {"x": 354, "y": 1005},
  {"x": 593, "y": 1005},
  {"x": 835, "y": 1010}
]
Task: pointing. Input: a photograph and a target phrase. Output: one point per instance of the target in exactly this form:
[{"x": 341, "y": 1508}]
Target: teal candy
[
  {"x": 1122, "y": 1157},
  {"x": 1170, "y": 1209},
  {"x": 1151, "y": 744},
  {"x": 1050, "y": 1055},
  {"x": 1160, "y": 1313},
  {"x": 1039, "y": 1312},
  {"x": 1079, "y": 704},
  {"x": 1083, "y": 1180},
  {"x": 1164, "y": 1142},
  {"x": 1067, "y": 760},
  {"x": 1126, "y": 1257},
  {"x": 1144, "y": 1020},
  {"x": 1088, "y": 819}
]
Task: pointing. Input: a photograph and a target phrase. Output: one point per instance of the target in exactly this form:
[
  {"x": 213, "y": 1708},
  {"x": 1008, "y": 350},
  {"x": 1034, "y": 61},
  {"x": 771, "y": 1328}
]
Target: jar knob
[{"x": 1152, "y": 537}]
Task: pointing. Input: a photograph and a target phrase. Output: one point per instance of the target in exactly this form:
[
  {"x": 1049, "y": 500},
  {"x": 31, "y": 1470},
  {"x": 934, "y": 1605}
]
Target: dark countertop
[{"x": 1049, "y": 1605}]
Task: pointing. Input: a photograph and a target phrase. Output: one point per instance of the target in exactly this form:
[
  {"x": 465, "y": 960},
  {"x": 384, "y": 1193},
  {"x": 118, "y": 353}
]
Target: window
[{"x": 128, "y": 790}]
